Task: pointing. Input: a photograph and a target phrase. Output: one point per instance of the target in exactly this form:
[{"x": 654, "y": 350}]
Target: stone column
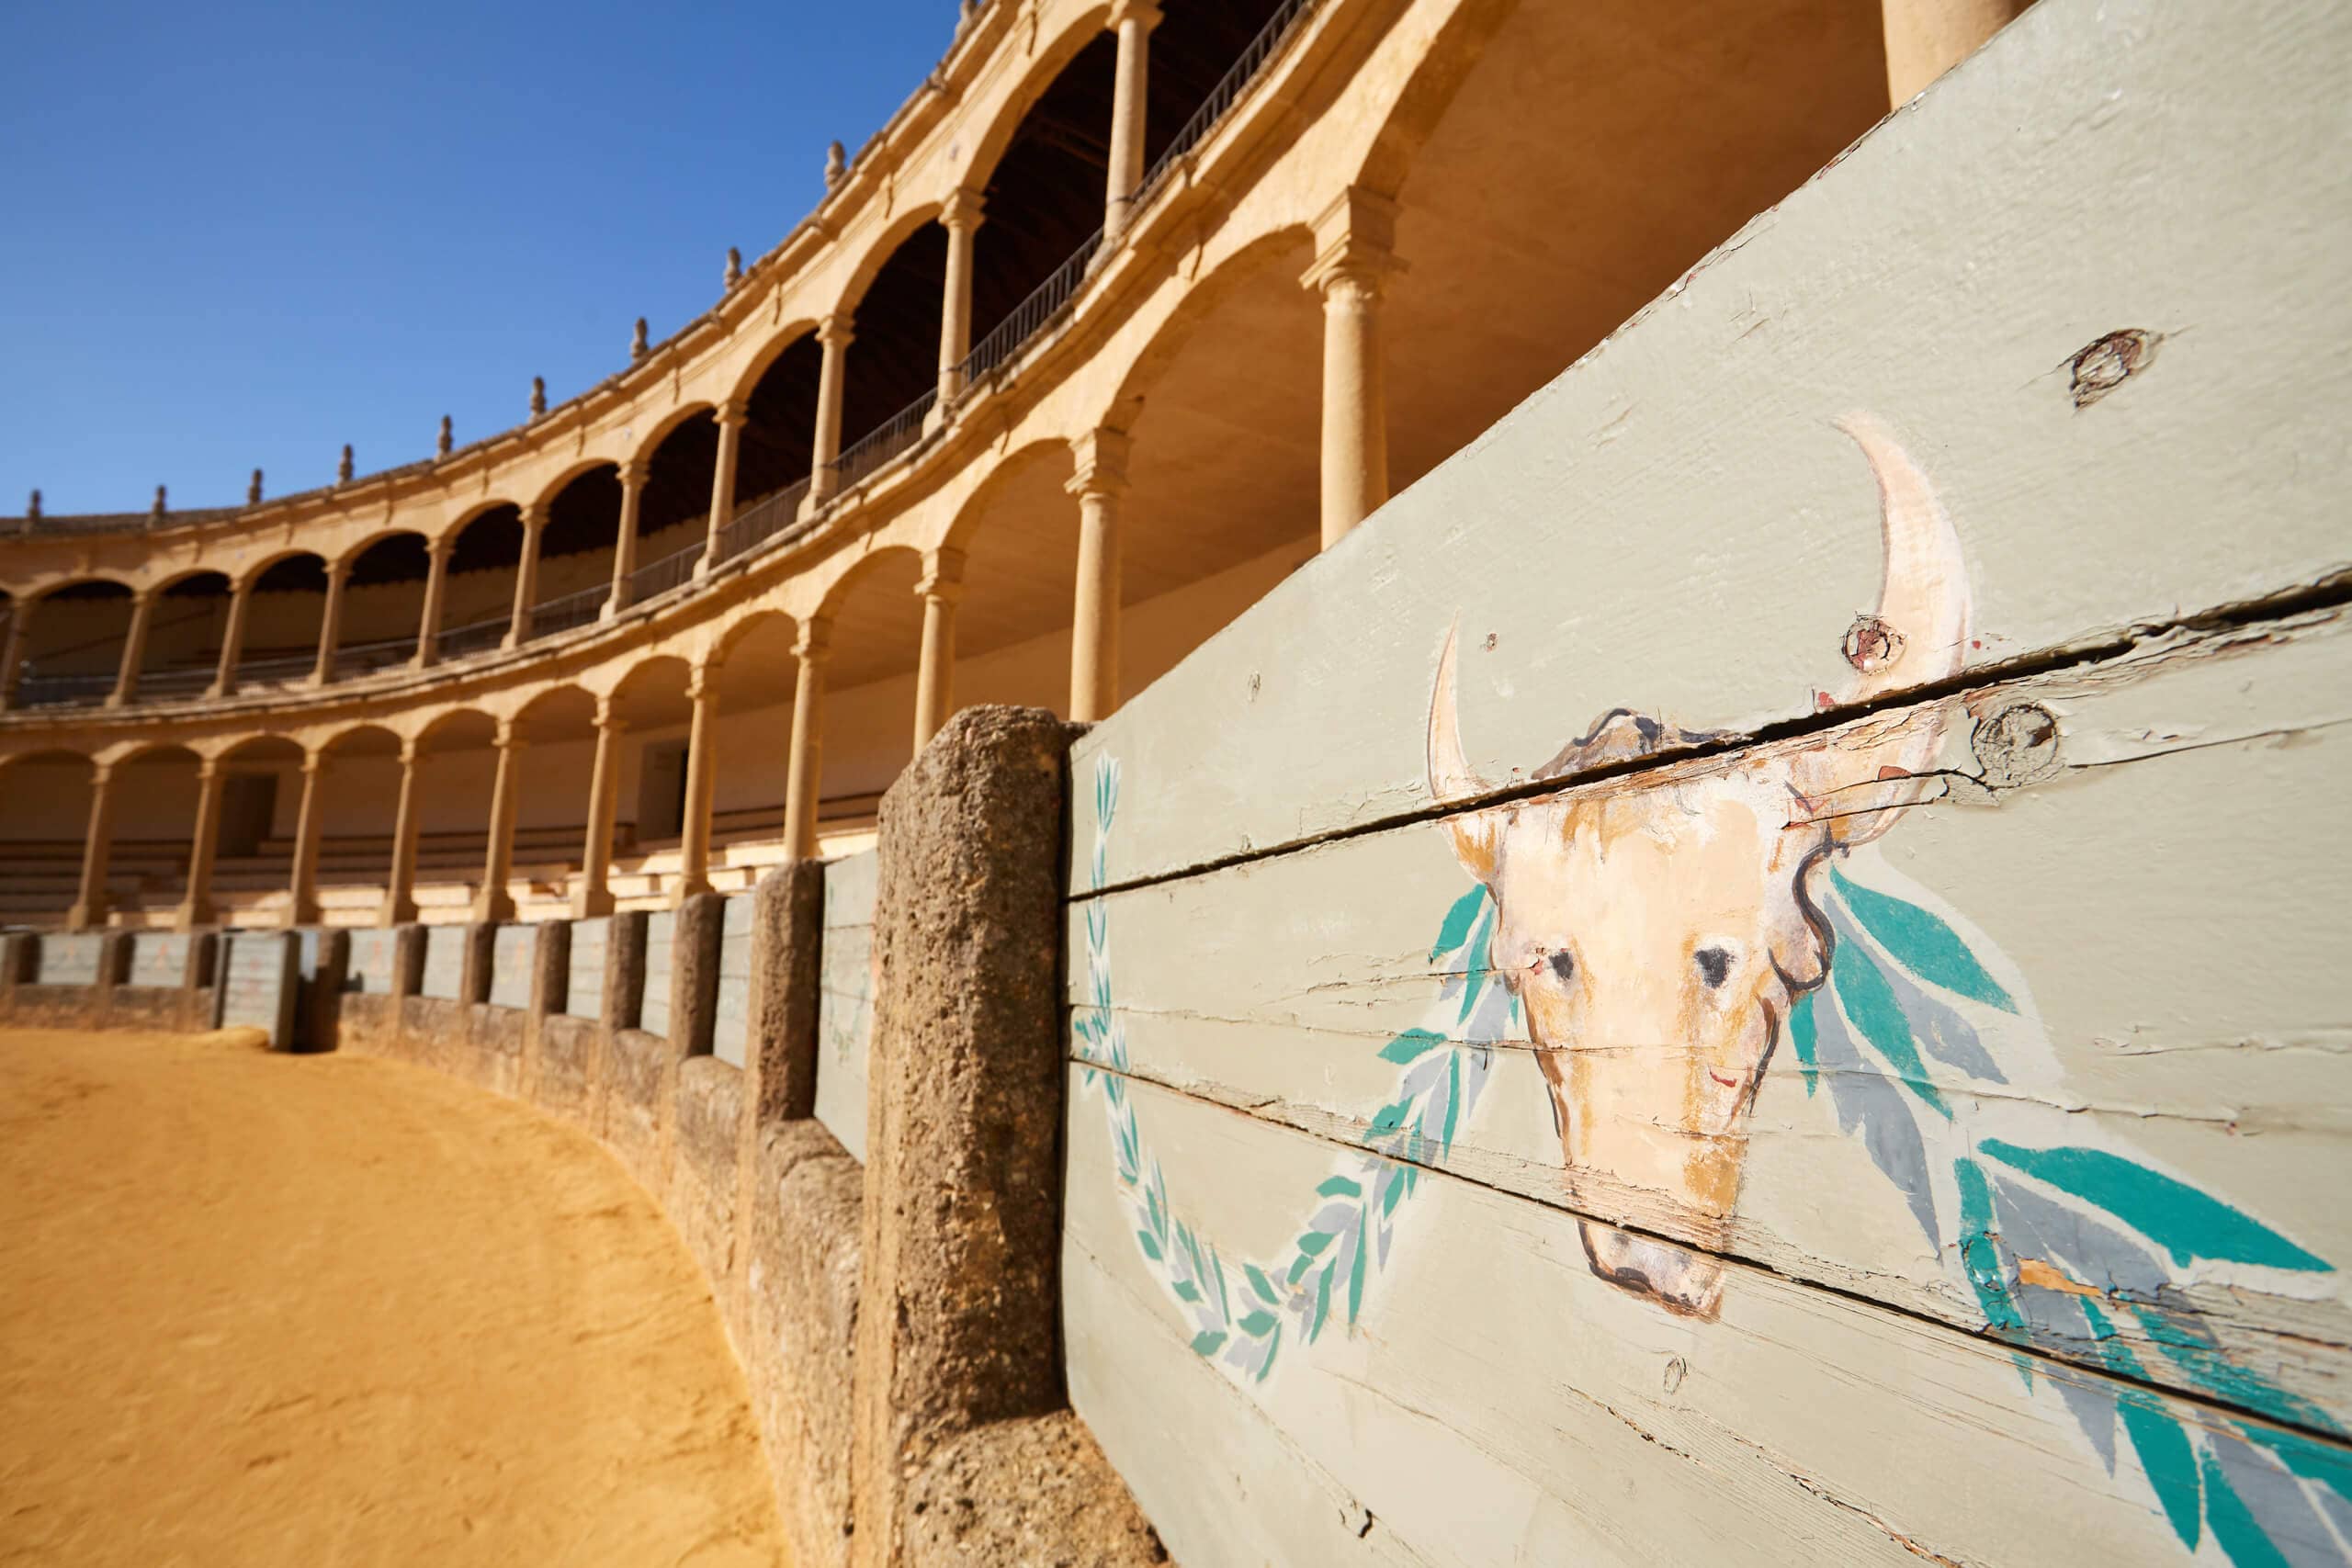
[
  {"x": 12, "y": 650},
  {"x": 730, "y": 416},
  {"x": 90, "y": 908},
  {"x": 624, "y": 539},
  {"x": 436, "y": 582},
  {"x": 804, "y": 778},
  {"x": 134, "y": 650},
  {"x": 1927, "y": 38},
  {"x": 1100, "y": 481},
  {"x": 400, "y": 889},
  {"x": 961, "y": 218},
  {"x": 526, "y": 576},
  {"x": 1132, "y": 21},
  {"x": 835, "y": 334},
  {"x": 593, "y": 895},
  {"x": 303, "y": 909},
  {"x": 195, "y": 906},
  {"x": 702, "y": 777},
  {"x": 1352, "y": 257},
  {"x": 233, "y": 641},
  {"x": 941, "y": 586},
  {"x": 493, "y": 903},
  {"x": 330, "y": 624}
]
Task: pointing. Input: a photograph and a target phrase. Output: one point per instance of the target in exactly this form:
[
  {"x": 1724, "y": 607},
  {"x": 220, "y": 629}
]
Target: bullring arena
[{"x": 607, "y": 929}]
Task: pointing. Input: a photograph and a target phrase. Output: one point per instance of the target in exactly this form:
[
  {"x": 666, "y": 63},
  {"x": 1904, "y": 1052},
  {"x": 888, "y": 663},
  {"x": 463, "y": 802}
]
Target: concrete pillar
[
  {"x": 233, "y": 641},
  {"x": 729, "y": 417},
  {"x": 493, "y": 903},
  {"x": 12, "y": 648},
  {"x": 90, "y": 907},
  {"x": 436, "y": 582},
  {"x": 1927, "y": 38},
  {"x": 835, "y": 334},
  {"x": 702, "y": 778},
  {"x": 526, "y": 576},
  {"x": 624, "y": 539},
  {"x": 400, "y": 888},
  {"x": 303, "y": 909},
  {"x": 330, "y": 624},
  {"x": 804, "y": 778},
  {"x": 196, "y": 907},
  {"x": 941, "y": 586},
  {"x": 961, "y": 218},
  {"x": 134, "y": 650},
  {"x": 593, "y": 895},
  {"x": 1132, "y": 21},
  {"x": 1354, "y": 255},
  {"x": 1101, "y": 480}
]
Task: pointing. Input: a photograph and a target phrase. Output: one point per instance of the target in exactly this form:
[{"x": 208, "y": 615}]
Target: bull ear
[
  {"x": 1476, "y": 833},
  {"x": 1860, "y": 781}
]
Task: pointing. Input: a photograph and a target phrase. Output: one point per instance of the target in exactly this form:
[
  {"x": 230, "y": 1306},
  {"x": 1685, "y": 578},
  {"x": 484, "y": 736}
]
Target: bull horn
[
  {"x": 1451, "y": 777},
  {"x": 1920, "y": 632}
]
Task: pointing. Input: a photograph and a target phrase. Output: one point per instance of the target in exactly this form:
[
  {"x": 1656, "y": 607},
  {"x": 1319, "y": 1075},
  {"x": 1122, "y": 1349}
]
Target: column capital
[
  {"x": 1355, "y": 239},
  {"x": 510, "y": 735},
  {"x": 813, "y": 643},
  {"x": 607, "y": 719},
  {"x": 732, "y": 413},
  {"x": 339, "y": 568},
  {"x": 438, "y": 546},
  {"x": 631, "y": 473},
  {"x": 962, "y": 210},
  {"x": 142, "y": 597},
  {"x": 411, "y": 749},
  {"x": 314, "y": 762},
  {"x": 535, "y": 515},
  {"x": 838, "y": 330},
  {"x": 1145, "y": 13},
  {"x": 1100, "y": 460},
  {"x": 943, "y": 576},
  {"x": 100, "y": 774},
  {"x": 702, "y": 681},
  {"x": 207, "y": 769}
]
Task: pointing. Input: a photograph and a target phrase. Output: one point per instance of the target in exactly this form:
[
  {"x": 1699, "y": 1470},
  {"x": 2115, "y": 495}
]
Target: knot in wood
[{"x": 2016, "y": 746}]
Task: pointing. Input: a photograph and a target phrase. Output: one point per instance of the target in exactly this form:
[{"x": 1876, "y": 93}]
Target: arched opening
[
  {"x": 477, "y": 589},
  {"x": 650, "y": 787},
  {"x": 552, "y": 776},
  {"x": 1019, "y": 534},
  {"x": 183, "y": 634},
  {"x": 358, "y": 799},
  {"x": 457, "y": 765},
  {"x": 772, "y": 450},
  {"x": 252, "y": 866},
  {"x": 674, "y": 512},
  {"x": 284, "y": 612},
  {"x": 869, "y": 706},
  {"x": 890, "y": 377},
  {"x": 751, "y": 739},
  {"x": 72, "y": 647},
  {"x": 575, "y": 574},
  {"x": 151, "y": 828},
  {"x": 383, "y": 601},
  {"x": 49, "y": 817}
]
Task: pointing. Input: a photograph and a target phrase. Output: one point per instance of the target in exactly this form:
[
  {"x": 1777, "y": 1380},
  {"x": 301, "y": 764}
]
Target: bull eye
[
  {"x": 1564, "y": 964},
  {"x": 1714, "y": 966}
]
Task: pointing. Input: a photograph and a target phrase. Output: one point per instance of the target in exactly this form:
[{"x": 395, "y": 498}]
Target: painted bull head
[{"x": 1659, "y": 933}]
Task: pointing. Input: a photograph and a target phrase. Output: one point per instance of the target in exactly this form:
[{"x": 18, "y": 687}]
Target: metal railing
[
  {"x": 1222, "y": 97},
  {"x": 187, "y": 680},
  {"x": 366, "y": 657},
  {"x": 1045, "y": 304},
  {"x": 278, "y": 670},
  {"x": 35, "y": 690},
  {"x": 875, "y": 449},
  {"x": 567, "y": 610},
  {"x": 474, "y": 637},
  {"x": 672, "y": 571},
  {"x": 761, "y": 521}
]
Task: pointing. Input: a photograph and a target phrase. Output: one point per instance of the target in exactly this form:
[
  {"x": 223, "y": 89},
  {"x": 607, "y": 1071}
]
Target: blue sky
[{"x": 240, "y": 235}]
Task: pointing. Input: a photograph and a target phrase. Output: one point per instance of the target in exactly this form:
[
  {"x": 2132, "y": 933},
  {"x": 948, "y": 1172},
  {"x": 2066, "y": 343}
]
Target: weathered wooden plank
[
  {"x": 445, "y": 962},
  {"x": 585, "y": 989},
  {"x": 1492, "y": 1401},
  {"x": 2157, "y": 895},
  {"x": 68, "y": 960},
  {"x": 661, "y": 930},
  {"x": 511, "y": 950},
  {"x": 259, "y": 978},
  {"x": 159, "y": 960},
  {"x": 731, "y": 1020},
  {"x": 372, "y": 954},
  {"x": 1675, "y": 524},
  {"x": 847, "y": 986}
]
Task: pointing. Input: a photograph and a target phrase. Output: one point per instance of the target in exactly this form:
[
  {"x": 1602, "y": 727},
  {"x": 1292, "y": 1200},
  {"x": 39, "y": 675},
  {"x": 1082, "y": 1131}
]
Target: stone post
[
  {"x": 730, "y": 416},
  {"x": 400, "y": 888},
  {"x": 961, "y": 218},
  {"x": 804, "y": 778},
  {"x": 1354, "y": 255},
  {"x": 233, "y": 641},
  {"x": 195, "y": 906},
  {"x": 90, "y": 908},
  {"x": 1927, "y": 38},
  {"x": 694, "y": 973},
  {"x": 303, "y": 908},
  {"x": 1102, "y": 478},
  {"x": 835, "y": 334},
  {"x": 492, "y": 902},
  {"x": 787, "y": 933},
  {"x": 12, "y": 648},
  {"x": 624, "y": 539},
  {"x": 702, "y": 778},
  {"x": 550, "y": 991},
  {"x": 134, "y": 651},
  {"x": 1132, "y": 21},
  {"x": 941, "y": 586},
  {"x": 593, "y": 895},
  {"x": 478, "y": 965},
  {"x": 330, "y": 624},
  {"x": 526, "y": 576},
  {"x": 436, "y": 582}
]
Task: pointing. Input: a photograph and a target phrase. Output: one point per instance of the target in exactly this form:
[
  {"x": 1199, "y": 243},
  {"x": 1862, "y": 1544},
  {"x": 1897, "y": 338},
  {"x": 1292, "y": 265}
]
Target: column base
[
  {"x": 397, "y": 912},
  {"x": 588, "y": 906},
  {"x": 192, "y": 914},
  {"x": 494, "y": 908},
  {"x": 300, "y": 914},
  {"x": 84, "y": 917}
]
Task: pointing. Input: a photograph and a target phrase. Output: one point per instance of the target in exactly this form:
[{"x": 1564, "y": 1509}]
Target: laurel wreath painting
[{"x": 1921, "y": 1032}]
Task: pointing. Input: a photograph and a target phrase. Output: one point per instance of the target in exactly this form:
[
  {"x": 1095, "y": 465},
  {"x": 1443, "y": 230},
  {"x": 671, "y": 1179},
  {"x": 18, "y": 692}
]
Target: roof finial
[
  {"x": 637, "y": 341},
  {"x": 343, "y": 470},
  {"x": 965, "y": 13},
  {"x": 836, "y": 165},
  {"x": 734, "y": 266},
  {"x": 158, "y": 510},
  {"x": 32, "y": 508},
  {"x": 253, "y": 491},
  {"x": 538, "y": 396},
  {"x": 441, "y": 442}
]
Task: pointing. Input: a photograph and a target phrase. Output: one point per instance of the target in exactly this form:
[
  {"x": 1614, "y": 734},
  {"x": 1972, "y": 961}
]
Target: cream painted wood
[
  {"x": 847, "y": 986},
  {"x": 1696, "y": 544}
]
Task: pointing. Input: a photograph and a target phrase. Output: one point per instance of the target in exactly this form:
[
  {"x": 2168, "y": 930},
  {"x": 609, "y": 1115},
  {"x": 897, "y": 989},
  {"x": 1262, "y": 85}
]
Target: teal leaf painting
[
  {"x": 2184, "y": 1221},
  {"x": 1922, "y": 943},
  {"x": 1863, "y": 992}
]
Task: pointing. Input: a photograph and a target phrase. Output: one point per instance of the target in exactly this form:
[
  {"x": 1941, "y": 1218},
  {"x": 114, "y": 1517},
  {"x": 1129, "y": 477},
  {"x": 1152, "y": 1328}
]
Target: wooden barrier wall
[
  {"x": 848, "y": 984},
  {"x": 1832, "y": 1048}
]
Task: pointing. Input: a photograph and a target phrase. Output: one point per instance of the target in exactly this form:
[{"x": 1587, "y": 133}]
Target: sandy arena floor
[{"x": 324, "y": 1310}]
